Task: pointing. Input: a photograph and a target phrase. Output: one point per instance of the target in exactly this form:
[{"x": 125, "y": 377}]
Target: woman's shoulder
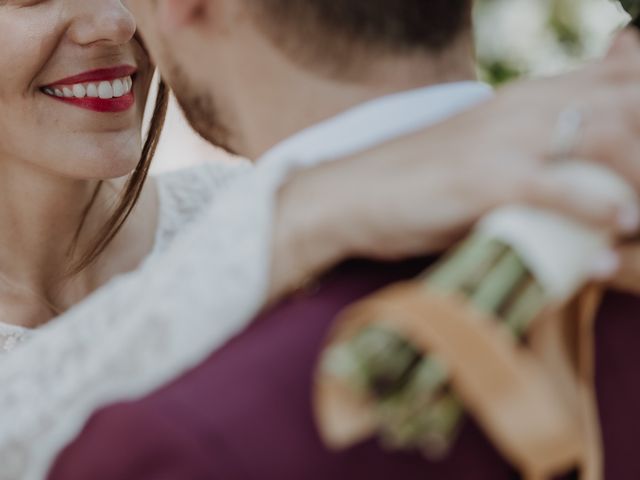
[{"x": 183, "y": 194}]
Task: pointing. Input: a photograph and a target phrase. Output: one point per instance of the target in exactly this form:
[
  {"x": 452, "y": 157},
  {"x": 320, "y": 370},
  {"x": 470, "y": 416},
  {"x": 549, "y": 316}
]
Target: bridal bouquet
[
  {"x": 408, "y": 363},
  {"x": 413, "y": 398}
]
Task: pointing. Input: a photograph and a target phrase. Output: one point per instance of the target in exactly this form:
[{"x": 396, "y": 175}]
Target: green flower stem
[
  {"x": 525, "y": 308},
  {"x": 499, "y": 283},
  {"x": 414, "y": 403},
  {"x": 464, "y": 269}
]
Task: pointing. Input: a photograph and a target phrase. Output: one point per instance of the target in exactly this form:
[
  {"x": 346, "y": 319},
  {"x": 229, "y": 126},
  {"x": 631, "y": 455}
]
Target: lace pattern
[
  {"x": 11, "y": 337},
  {"x": 184, "y": 193},
  {"x": 182, "y": 196}
]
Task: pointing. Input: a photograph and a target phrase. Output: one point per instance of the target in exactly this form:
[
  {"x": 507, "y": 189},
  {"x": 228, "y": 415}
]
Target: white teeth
[
  {"x": 92, "y": 90},
  {"x": 118, "y": 88},
  {"x": 104, "y": 90},
  {"x": 79, "y": 91}
]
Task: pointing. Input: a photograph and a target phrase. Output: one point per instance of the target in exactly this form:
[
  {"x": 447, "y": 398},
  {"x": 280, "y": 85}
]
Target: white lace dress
[{"x": 182, "y": 196}]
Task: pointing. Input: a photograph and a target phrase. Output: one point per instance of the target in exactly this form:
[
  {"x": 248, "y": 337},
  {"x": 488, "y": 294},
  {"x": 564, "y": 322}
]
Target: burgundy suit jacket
[{"x": 245, "y": 413}]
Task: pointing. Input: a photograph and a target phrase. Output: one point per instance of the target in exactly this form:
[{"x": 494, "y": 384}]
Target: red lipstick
[
  {"x": 99, "y": 75},
  {"x": 111, "y": 105},
  {"x": 96, "y": 104}
]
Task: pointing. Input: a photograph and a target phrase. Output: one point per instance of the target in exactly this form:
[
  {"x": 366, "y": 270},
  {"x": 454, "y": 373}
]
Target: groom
[{"x": 333, "y": 77}]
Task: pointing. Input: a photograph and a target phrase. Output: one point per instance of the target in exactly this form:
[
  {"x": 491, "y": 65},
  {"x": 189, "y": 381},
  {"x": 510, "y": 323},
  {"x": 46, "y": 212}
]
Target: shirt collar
[{"x": 373, "y": 123}]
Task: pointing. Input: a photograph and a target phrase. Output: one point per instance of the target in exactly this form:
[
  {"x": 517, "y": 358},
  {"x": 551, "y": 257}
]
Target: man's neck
[{"x": 289, "y": 99}]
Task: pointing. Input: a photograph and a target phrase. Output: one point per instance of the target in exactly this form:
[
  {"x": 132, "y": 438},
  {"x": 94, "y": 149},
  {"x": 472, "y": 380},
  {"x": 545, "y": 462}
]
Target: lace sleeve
[
  {"x": 11, "y": 336},
  {"x": 184, "y": 195}
]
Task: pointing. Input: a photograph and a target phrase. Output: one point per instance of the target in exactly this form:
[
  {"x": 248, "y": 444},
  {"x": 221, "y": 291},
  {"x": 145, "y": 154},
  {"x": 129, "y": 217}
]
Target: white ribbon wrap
[{"x": 559, "y": 251}]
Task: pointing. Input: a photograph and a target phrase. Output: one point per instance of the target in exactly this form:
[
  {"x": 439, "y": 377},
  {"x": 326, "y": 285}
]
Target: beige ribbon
[{"x": 536, "y": 403}]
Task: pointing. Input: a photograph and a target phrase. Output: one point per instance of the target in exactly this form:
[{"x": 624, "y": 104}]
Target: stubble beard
[{"x": 200, "y": 109}]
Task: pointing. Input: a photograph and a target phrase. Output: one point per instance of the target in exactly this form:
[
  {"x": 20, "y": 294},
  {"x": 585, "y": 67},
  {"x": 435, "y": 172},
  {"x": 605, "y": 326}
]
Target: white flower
[{"x": 521, "y": 33}]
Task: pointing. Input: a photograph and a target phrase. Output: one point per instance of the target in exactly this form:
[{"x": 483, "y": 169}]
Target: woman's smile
[
  {"x": 72, "y": 69},
  {"x": 107, "y": 90}
]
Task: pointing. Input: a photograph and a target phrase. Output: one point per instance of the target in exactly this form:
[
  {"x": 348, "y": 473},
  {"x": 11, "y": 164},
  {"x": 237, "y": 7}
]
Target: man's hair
[{"x": 335, "y": 30}]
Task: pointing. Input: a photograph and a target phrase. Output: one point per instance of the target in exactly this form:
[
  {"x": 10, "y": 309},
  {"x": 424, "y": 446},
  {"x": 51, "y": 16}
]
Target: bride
[
  {"x": 75, "y": 207},
  {"x": 75, "y": 82}
]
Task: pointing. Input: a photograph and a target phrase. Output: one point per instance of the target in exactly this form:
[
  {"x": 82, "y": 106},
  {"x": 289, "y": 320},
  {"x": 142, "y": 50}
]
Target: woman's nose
[{"x": 100, "y": 22}]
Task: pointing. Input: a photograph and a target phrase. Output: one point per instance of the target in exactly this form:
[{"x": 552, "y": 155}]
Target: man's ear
[{"x": 176, "y": 14}]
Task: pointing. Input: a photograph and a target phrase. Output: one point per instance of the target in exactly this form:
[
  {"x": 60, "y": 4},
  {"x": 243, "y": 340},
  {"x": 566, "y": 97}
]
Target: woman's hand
[{"x": 419, "y": 194}]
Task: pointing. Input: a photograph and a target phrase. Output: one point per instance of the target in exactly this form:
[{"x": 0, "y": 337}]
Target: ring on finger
[{"x": 566, "y": 134}]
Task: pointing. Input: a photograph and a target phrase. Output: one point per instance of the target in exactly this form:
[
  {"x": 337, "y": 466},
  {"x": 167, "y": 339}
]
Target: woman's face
[{"x": 73, "y": 85}]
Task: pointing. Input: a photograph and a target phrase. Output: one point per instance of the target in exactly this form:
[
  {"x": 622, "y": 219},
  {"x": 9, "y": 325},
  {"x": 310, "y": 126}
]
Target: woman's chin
[
  {"x": 109, "y": 159},
  {"x": 103, "y": 167}
]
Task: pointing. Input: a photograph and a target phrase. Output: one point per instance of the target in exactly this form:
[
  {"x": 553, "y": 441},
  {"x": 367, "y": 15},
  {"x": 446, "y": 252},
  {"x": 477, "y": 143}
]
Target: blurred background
[
  {"x": 539, "y": 37},
  {"x": 515, "y": 38}
]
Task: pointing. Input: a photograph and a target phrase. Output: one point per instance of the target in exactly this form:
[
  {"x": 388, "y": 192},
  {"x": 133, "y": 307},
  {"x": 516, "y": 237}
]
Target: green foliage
[{"x": 499, "y": 72}]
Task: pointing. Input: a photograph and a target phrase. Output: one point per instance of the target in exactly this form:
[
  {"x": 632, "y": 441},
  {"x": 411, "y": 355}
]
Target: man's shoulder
[
  {"x": 255, "y": 393},
  {"x": 127, "y": 441}
]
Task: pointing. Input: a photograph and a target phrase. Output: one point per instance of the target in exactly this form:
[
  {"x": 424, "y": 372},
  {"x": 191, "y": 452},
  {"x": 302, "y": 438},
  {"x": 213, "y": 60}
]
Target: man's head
[
  {"x": 215, "y": 52},
  {"x": 338, "y": 35}
]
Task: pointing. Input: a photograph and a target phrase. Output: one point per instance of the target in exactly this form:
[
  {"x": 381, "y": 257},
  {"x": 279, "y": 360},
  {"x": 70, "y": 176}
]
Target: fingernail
[
  {"x": 629, "y": 219},
  {"x": 605, "y": 265}
]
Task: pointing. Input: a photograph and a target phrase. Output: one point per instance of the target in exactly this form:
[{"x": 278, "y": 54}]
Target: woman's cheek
[{"x": 28, "y": 42}]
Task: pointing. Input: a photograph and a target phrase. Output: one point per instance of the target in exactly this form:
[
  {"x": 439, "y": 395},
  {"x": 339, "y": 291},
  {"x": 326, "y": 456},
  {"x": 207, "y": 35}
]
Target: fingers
[
  {"x": 611, "y": 131},
  {"x": 611, "y": 128},
  {"x": 594, "y": 207},
  {"x": 611, "y": 100},
  {"x": 627, "y": 277}
]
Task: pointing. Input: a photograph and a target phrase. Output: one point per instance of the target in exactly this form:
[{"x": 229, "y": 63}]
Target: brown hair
[
  {"x": 131, "y": 192},
  {"x": 339, "y": 30}
]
